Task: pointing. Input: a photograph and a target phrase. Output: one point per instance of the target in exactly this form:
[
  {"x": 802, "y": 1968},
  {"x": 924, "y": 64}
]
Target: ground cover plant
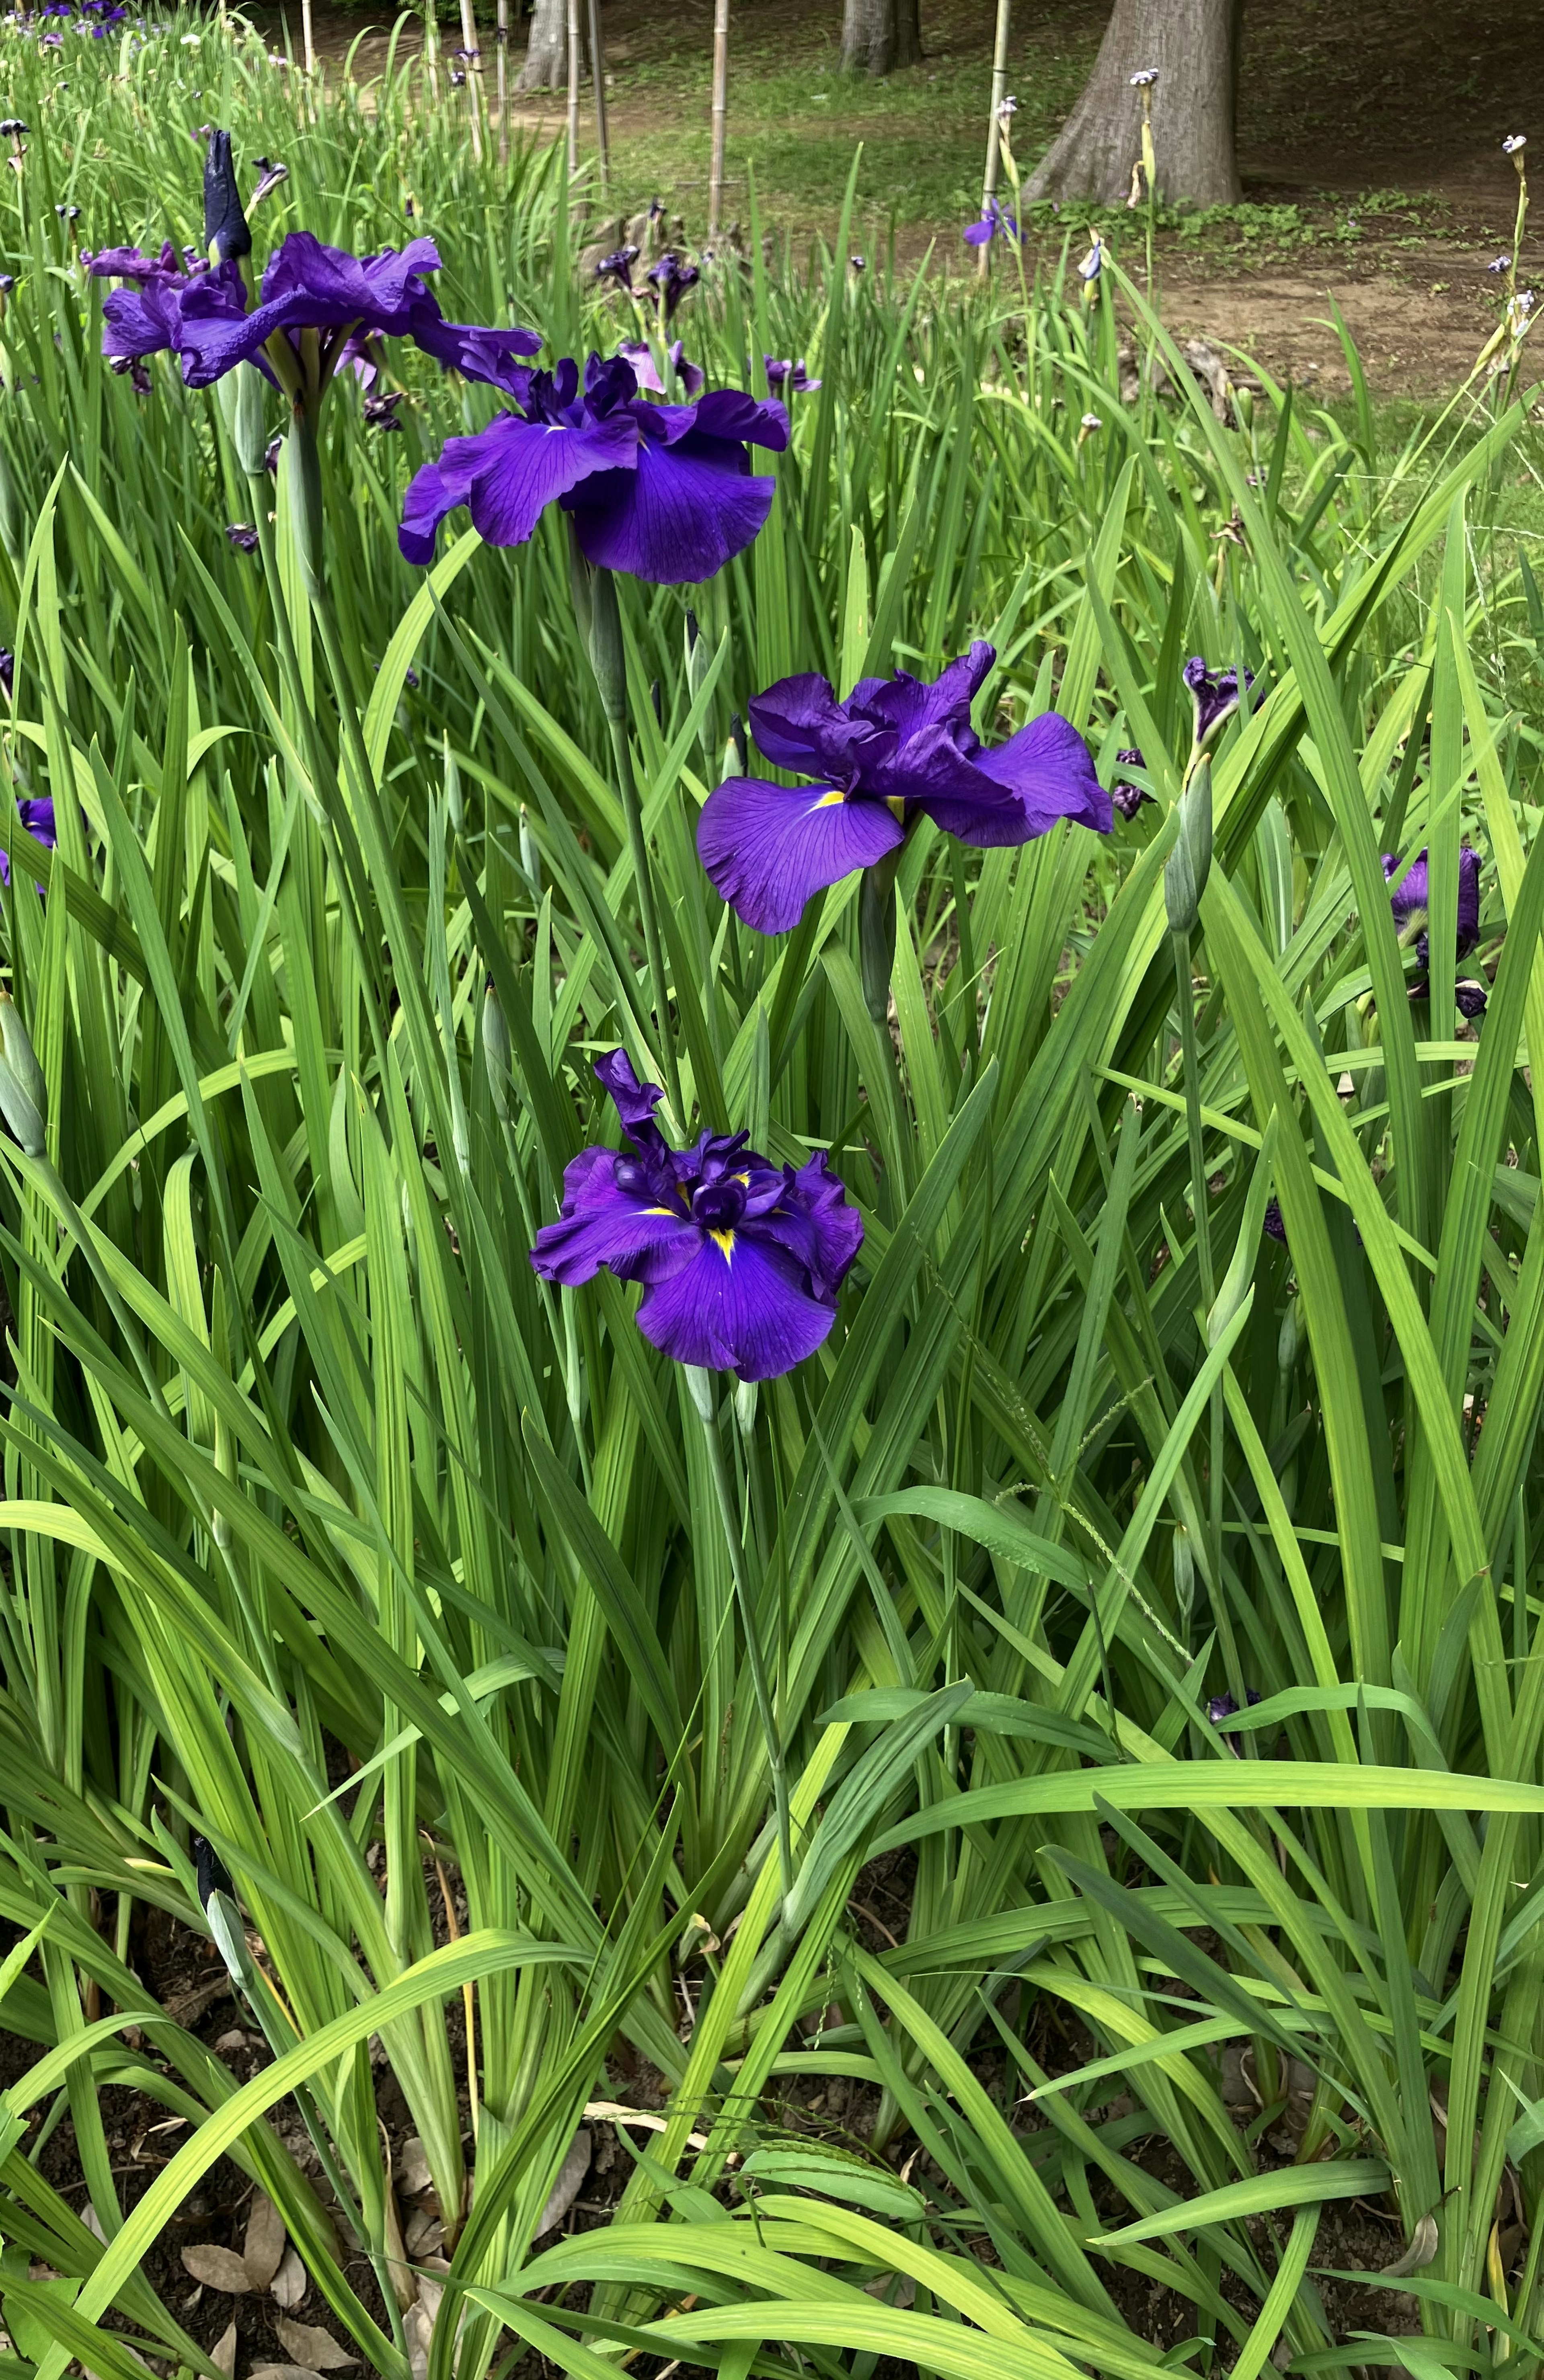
[{"x": 1033, "y": 1427}]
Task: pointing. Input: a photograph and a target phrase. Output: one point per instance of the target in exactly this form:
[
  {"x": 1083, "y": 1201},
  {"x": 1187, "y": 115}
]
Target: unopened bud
[
  {"x": 496, "y": 1051},
  {"x": 453, "y": 786},
  {"x": 23, "y": 1093},
  {"x": 240, "y": 396},
  {"x": 225, "y": 233},
  {"x": 699, "y": 1388},
  {"x": 1189, "y": 863},
  {"x": 531, "y": 853},
  {"x": 1185, "y": 1580},
  {"x": 1289, "y": 1338},
  {"x": 302, "y": 467},
  {"x": 746, "y": 1398}
]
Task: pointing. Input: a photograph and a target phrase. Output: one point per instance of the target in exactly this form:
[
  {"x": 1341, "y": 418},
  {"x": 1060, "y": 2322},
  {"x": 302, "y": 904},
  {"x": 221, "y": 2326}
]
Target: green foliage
[{"x": 337, "y": 1539}]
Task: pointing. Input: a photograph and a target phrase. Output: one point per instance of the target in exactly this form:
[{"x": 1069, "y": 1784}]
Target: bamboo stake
[
  {"x": 502, "y": 71},
  {"x": 994, "y": 137},
  {"x": 474, "y": 68},
  {"x": 307, "y": 33},
  {"x": 573, "y": 90},
  {"x": 721, "y": 112},
  {"x": 598, "y": 68}
]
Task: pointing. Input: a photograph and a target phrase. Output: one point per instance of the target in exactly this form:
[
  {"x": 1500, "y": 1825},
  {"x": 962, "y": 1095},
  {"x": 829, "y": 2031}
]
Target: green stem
[{"x": 704, "y": 1396}]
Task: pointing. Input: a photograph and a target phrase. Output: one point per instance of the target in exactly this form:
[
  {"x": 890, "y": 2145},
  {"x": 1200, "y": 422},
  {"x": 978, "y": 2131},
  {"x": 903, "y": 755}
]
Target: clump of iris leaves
[{"x": 338, "y": 1543}]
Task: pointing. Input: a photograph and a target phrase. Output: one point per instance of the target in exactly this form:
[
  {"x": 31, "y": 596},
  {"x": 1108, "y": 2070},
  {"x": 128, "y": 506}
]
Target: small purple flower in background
[
  {"x": 646, "y": 369},
  {"x": 785, "y": 377},
  {"x": 271, "y": 173},
  {"x": 1144, "y": 79},
  {"x": 670, "y": 280},
  {"x": 663, "y": 492},
  {"x": 7, "y": 672},
  {"x": 243, "y": 537},
  {"x": 859, "y": 263},
  {"x": 741, "y": 1260},
  {"x": 1214, "y": 694},
  {"x": 896, "y": 750},
  {"x": 1092, "y": 266},
  {"x": 380, "y": 412},
  {"x": 1274, "y": 1227},
  {"x": 1222, "y": 1707},
  {"x": 993, "y": 219},
  {"x": 1410, "y": 899},
  {"x": 1128, "y": 798},
  {"x": 37, "y": 816},
  {"x": 1514, "y": 145},
  {"x": 618, "y": 267},
  {"x": 1499, "y": 264}
]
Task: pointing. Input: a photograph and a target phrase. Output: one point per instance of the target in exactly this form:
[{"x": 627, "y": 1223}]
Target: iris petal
[
  {"x": 1050, "y": 767},
  {"x": 740, "y": 1306},
  {"x": 601, "y": 1224},
  {"x": 767, "y": 848},
  {"x": 687, "y": 509},
  {"x": 509, "y": 473}
]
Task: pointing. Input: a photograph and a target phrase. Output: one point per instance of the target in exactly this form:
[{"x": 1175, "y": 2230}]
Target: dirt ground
[{"x": 1369, "y": 145}]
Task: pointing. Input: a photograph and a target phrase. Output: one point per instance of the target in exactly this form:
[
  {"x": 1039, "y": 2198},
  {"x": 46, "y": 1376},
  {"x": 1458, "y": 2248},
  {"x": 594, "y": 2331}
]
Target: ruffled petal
[
  {"x": 740, "y": 1306},
  {"x": 602, "y": 1224},
  {"x": 730, "y": 413},
  {"x": 141, "y": 322},
  {"x": 687, "y": 508},
  {"x": 908, "y": 705},
  {"x": 767, "y": 848},
  {"x": 508, "y": 474},
  {"x": 635, "y": 1102},
  {"x": 475, "y": 353},
  {"x": 800, "y": 724},
  {"x": 1051, "y": 768},
  {"x": 814, "y": 1221}
]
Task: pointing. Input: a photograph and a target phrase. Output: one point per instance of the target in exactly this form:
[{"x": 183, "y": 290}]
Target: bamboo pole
[
  {"x": 598, "y": 68},
  {"x": 721, "y": 113},
  {"x": 994, "y": 133},
  {"x": 474, "y": 68},
  {"x": 502, "y": 71},
  {"x": 573, "y": 90},
  {"x": 309, "y": 35}
]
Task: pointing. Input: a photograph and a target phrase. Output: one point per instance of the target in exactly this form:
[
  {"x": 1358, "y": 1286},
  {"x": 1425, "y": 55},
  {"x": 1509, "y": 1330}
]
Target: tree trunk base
[{"x": 1194, "y": 45}]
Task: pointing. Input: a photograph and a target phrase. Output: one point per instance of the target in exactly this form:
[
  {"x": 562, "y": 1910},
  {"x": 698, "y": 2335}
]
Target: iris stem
[
  {"x": 1185, "y": 985},
  {"x": 608, "y": 658},
  {"x": 704, "y": 1396}
]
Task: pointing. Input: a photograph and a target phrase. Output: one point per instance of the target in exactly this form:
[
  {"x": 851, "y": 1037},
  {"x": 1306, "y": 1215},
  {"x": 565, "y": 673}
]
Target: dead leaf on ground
[
  {"x": 217, "y": 2268},
  {"x": 417, "y": 2325},
  {"x": 411, "y": 2162},
  {"x": 280, "y": 2371},
  {"x": 262, "y": 2250},
  {"x": 566, "y": 2189},
  {"x": 313, "y": 2349},
  {"x": 223, "y": 2352},
  {"x": 289, "y": 2283}
]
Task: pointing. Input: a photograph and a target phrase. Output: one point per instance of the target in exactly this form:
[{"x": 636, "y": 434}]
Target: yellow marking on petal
[
  {"x": 744, "y": 1178},
  {"x": 829, "y": 801},
  {"x": 725, "y": 1243},
  {"x": 662, "y": 1211}
]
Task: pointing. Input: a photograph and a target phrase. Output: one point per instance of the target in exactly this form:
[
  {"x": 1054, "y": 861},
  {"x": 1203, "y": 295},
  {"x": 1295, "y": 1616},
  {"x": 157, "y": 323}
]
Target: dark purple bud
[
  {"x": 618, "y": 267},
  {"x": 225, "y": 234},
  {"x": 271, "y": 453},
  {"x": 671, "y": 281},
  {"x": 8, "y": 282},
  {"x": 1275, "y": 1228},
  {"x": 272, "y": 173},
  {"x": 1469, "y": 998},
  {"x": 243, "y": 537},
  {"x": 1214, "y": 694},
  {"x": 859, "y": 263},
  {"x": 1128, "y": 798},
  {"x": 380, "y": 412},
  {"x": 7, "y": 671}
]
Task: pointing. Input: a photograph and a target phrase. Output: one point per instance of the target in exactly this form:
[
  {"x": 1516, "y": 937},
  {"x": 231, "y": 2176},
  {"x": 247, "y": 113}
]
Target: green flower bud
[
  {"x": 23, "y": 1093},
  {"x": 453, "y": 786},
  {"x": 1185, "y": 1580},
  {"x": 746, "y": 1400},
  {"x": 876, "y": 936},
  {"x": 302, "y": 465},
  {"x": 1190, "y": 864},
  {"x": 240, "y": 399},
  {"x": 1289, "y": 1339},
  {"x": 531, "y": 853},
  {"x": 699, "y": 1388},
  {"x": 607, "y": 655},
  {"x": 496, "y": 1051}
]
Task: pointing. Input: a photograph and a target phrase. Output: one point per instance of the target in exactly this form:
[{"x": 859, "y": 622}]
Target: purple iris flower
[
  {"x": 646, "y": 369},
  {"x": 1410, "y": 901},
  {"x": 671, "y": 281},
  {"x": 618, "y": 267},
  {"x": 783, "y": 373},
  {"x": 37, "y": 816},
  {"x": 894, "y": 751},
  {"x": 741, "y": 1260},
  {"x": 1128, "y": 799},
  {"x": 993, "y": 219},
  {"x": 664, "y": 491},
  {"x": 1222, "y": 1707},
  {"x": 1215, "y": 696}
]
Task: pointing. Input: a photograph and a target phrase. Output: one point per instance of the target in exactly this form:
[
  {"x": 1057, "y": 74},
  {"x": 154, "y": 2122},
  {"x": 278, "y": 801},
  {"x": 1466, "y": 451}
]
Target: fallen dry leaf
[
  {"x": 411, "y": 2173},
  {"x": 417, "y": 2325},
  {"x": 217, "y": 2268},
  {"x": 280, "y": 2371},
  {"x": 313, "y": 2349},
  {"x": 289, "y": 2283},
  {"x": 262, "y": 2250},
  {"x": 223, "y": 2352},
  {"x": 566, "y": 2189}
]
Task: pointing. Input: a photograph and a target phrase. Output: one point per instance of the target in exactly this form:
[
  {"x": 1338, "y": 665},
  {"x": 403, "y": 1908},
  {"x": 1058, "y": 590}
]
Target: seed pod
[
  {"x": 1189, "y": 863},
  {"x": 495, "y": 1050}
]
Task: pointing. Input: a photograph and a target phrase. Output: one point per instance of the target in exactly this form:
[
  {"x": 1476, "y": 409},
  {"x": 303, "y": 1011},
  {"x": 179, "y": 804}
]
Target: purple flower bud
[
  {"x": 1274, "y": 1227},
  {"x": 224, "y": 225},
  {"x": 243, "y": 537},
  {"x": 670, "y": 280},
  {"x": 1214, "y": 694},
  {"x": 618, "y": 267},
  {"x": 1128, "y": 798},
  {"x": 788, "y": 379},
  {"x": 1499, "y": 265}
]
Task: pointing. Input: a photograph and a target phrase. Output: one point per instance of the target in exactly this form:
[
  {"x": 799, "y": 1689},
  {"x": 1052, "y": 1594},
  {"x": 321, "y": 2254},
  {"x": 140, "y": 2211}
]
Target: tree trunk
[
  {"x": 546, "y": 66},
  {"x": 880, "y": 34},
  {"x": 1194, "y": 45}
]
